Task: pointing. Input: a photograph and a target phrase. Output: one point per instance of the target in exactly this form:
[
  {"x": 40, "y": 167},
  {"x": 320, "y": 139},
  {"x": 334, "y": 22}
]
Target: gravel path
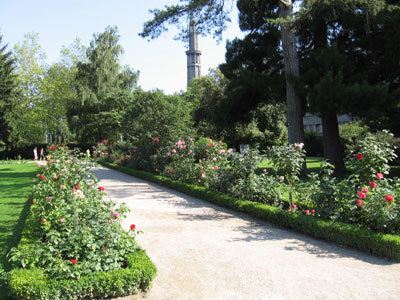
[{"x": 203, "y": 251}]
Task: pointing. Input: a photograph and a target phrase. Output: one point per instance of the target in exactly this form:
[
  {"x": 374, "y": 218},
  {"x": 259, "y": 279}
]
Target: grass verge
[
  {"x": 16, "y": 181},
  {"x": 384, "y": 245}
]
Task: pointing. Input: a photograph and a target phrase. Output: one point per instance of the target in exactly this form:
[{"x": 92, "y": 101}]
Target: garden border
[
  {"x": 352, "y": 236},
  {"x": 33, "y": 284}
]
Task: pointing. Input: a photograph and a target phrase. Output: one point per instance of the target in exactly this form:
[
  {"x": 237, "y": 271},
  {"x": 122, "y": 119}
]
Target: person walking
[
  {"x": 35, "y": 153},
  {"x": 41, "y": 153}
]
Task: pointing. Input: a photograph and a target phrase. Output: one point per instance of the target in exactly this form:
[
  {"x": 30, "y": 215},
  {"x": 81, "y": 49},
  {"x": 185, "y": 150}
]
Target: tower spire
[{"x": 193, "y": 54}]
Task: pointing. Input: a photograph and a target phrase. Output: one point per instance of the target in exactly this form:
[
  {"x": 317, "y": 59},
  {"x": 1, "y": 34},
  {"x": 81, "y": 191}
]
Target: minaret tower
[{"x": 193, "y": 54}]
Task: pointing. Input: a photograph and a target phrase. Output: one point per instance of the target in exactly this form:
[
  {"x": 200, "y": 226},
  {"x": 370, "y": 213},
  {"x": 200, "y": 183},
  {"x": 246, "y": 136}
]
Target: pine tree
[{"x": 7, "y": 85}]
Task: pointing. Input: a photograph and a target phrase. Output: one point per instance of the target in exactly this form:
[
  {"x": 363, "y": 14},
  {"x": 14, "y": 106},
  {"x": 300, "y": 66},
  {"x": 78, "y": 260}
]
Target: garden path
[{"x": 203, "y": 251}]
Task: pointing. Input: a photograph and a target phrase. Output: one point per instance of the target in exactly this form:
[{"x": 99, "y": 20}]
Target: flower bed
[
  {"x": 73, "y": 245},
  {"x": 366, "y": 197}
]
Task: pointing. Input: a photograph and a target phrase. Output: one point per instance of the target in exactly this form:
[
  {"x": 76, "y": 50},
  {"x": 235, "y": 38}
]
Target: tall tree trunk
[
  {"x": 291, "y": 61},
  {"x": 333, "y": 149}
]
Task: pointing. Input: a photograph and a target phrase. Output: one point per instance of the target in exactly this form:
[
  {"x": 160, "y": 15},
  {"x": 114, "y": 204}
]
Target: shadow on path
[{"x": 193, "y": 209}]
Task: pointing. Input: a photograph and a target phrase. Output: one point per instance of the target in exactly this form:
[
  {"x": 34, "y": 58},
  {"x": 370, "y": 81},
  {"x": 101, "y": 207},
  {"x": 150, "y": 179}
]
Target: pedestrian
[
  {"x": 35, "y": 153},
  {"x": 41, "y": 154}
]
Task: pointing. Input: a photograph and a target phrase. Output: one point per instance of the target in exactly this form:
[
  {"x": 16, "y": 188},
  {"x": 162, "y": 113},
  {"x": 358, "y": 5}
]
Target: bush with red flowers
[{"x": 85, "y": 240}]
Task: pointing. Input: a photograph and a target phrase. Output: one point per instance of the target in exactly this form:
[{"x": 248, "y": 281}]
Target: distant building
[
  {"x": 313, "y": 123},
  {"x": 193, "y": 54}
]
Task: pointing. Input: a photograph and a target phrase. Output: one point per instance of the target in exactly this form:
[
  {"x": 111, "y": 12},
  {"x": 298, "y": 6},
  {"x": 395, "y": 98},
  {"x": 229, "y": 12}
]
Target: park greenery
[
  {"x": 323, "y": 57},
  {"x": 72, "y": 236}
]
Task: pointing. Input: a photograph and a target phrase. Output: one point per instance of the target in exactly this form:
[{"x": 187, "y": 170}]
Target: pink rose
[
  {"x": 373, "y": 184},
  {"x": 44, "y": 220},
  {"x": 379, "y": 176},
  {"x": 359, "y": 202},
  {"x": 61, "y": 220},
  {"x": 111, "y": 220},
  {"x": 264, "y": 170},
  {"x": 116, "y": 214}
]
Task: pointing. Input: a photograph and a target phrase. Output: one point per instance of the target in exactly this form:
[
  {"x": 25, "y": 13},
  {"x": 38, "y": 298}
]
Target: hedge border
[
  {"x": 352, "y": 236},
  {"x": 136, "y": 278},
  {"x": 34, "y": 284}
]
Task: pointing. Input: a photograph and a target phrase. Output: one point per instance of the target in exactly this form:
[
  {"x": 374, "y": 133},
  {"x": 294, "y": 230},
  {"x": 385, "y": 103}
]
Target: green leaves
[{"x": 71, "y": 222}]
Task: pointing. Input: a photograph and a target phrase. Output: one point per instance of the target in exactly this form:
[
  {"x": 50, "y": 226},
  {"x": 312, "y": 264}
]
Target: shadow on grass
[
  {"x": 9, "y": 241},
  {"x": 14, "y": 186}
]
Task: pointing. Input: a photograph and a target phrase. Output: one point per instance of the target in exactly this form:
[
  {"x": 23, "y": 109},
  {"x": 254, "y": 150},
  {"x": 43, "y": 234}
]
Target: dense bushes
[
  {"x": 71, "y": 232},
  {"x": 350, "y": 199}
]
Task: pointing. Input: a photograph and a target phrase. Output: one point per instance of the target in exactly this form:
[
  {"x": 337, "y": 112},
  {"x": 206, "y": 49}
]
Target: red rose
[
  {"x": 307, "y": 211},
  {"x": 101, "y": 188},
  {"x": 389, "y": 198},
  {"x": 170, "y": 171},
  {"x": 32, "y": 202},
  {"x": 133, "y": 226},
  {"x": 294, "y": 205},
  {"x": 74, "y": 261},
  {"x": 313, "y": 211},
  {"x": 361, "y": 195},
  {"x": 364, "y": 190},
  {"x": 359, "y": 156},
  {"x": 359, "y": 202},
  {"x": 53, "y": 148},
  {"x": 373, "y": 184},
  {"x": 42, "y": 177}
]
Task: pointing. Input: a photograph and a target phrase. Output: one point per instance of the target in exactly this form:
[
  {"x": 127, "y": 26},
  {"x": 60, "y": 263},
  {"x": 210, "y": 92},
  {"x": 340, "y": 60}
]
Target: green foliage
[
  {"x": 15, "y": 188},
  {"x": 373, "y": 157},
  {"x": 136, "y": 277},
  {"x": 351, "y": 133},
  {"x": 7, "y": 86},
  {"x": 72, "y": 231},
  {"x": 386, "y": 245},
  {"x": 153, "y": 114},
  {"x": 206, "y": 94},
  {"x": 103, "y": 90},
  {"x": 26, "y": 115}
]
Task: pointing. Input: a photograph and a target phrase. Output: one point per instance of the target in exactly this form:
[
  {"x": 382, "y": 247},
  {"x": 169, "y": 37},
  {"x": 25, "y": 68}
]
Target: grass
[
  {"x": 16, "y": 181},
  {"x": 313, "y": 164}
]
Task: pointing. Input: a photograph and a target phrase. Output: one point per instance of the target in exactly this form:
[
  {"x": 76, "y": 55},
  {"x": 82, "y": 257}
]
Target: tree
[
  {"x": 212, "y": 15},
  {"x": 337, "y": 64},
  {"x": 152, "y": 114},
  {"x": 26, "y": 116},
  {"x": 7, "y": 86},
  {"x": 103, "y": 89},
  {"x": 206, "y": 95}
]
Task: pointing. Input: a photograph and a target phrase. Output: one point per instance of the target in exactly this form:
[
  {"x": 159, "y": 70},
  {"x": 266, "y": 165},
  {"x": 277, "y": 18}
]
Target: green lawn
[
  {"x": 313, "y": 164},
  {"x": 16, "y": 181}
]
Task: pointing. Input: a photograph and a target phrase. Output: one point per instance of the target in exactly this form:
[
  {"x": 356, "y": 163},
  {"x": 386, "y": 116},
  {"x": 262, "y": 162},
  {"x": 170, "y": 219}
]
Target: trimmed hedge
[
  {"x": 385, "y": 245},
  {"x": 33, "y": 283}
]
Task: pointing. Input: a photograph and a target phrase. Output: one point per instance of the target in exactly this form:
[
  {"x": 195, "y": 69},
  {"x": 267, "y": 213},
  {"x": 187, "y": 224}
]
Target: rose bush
[
  {"x": 367, "y": 196},
  {"x": 70, "y": 229}
]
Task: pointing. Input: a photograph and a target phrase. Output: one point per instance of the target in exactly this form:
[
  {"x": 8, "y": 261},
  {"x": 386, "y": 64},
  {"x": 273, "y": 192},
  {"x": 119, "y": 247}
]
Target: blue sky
[{"x": 161, "y": 62}]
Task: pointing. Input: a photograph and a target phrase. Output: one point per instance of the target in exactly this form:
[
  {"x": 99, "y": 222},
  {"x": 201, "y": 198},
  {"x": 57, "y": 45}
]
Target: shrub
[{"x": 72, "y": 230}]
